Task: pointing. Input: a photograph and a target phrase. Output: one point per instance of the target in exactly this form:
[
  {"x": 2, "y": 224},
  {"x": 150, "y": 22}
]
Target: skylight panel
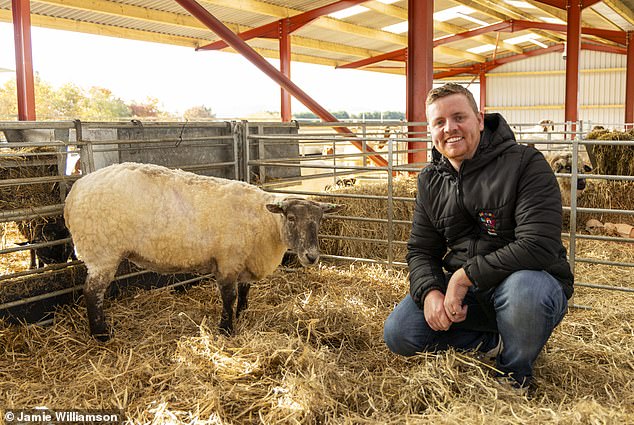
[
  {"x": 538, "y": 43},
  {"x": 481, "y": 49},
  {"x": 550, "y": 20},
  {"x": 520, "y": 4},
  {"x": 346, "y": 13},
  {"x": 452, "y": 13},
  {"x": 471, "y": 19},
  {"x": 521, "y": 39},
  {"x": 399, "y": 28}
]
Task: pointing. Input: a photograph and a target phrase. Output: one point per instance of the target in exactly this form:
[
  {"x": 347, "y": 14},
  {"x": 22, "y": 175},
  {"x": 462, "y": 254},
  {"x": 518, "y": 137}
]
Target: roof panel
[{"x": 339, "y": 41}]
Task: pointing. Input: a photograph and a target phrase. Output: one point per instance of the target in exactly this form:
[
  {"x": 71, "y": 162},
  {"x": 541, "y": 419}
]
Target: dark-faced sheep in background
[{"x": 172, "y": 221}]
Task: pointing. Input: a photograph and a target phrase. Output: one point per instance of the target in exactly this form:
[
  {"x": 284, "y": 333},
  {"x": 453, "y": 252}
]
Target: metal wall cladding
[{"x": 537, "y": 91}]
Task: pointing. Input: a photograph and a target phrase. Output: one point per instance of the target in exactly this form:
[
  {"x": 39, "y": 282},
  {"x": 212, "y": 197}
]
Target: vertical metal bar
[
  {"x": 236, "y": 154},
  {"x": 86, "y": 158},
  {"x": 261, "y": 155},
  {"x": 21, "y": 10},
  {"x": 364, "y": 142},
  {"x": 390, "y": 205},
  {"x": 420, "y": 72},
  {"x": 247, "y": 151},
  {"x": 61, "y": 171},
  {"x": 573, "y": 202},
  {"x": 483, "y": 89},
  {"x": 573, "y": 51},
  {"x": 629, "y": 82},
  {"x": 285, "y": 67}
]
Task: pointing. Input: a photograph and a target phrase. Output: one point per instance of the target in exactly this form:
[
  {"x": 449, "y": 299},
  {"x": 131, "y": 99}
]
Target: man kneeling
[{"x": 488, "y": 270}]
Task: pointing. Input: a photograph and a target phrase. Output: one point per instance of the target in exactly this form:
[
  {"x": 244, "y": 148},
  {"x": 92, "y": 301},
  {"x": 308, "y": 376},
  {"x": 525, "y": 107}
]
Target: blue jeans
[{"x": 527, "y": 306}]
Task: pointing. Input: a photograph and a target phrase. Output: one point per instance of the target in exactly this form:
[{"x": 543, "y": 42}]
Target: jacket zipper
[{"x": 472, "y": 243}]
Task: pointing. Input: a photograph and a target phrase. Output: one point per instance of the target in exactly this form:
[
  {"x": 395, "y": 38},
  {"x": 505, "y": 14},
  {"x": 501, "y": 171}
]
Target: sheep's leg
[
  {"x": 33, "y": 259},
  {"x": 94, "y": 291},
  {"x": 228, "y": 292},
  {"x": 243, "y": 297}
]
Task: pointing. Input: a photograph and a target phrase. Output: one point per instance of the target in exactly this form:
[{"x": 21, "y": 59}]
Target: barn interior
[{"x": 310, "y": 349}]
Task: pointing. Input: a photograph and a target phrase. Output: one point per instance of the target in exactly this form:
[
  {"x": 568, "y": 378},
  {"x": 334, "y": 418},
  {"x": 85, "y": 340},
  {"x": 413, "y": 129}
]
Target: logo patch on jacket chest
[{"x": 488, "y": 221}]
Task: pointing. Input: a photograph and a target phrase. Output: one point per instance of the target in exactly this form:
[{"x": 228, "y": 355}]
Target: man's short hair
[{"x": 449, "y": 89}]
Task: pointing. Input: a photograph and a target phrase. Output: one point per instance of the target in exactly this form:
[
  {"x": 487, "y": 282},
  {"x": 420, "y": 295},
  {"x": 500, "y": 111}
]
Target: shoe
[
  {"x": 494, "y": 352},
  {"x": 508, "y": 383}
]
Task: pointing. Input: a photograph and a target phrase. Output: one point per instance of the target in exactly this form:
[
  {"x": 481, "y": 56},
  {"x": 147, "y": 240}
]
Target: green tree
[
  {"x": 198, "y": 112},
  {"x": 101, "y": 105}
]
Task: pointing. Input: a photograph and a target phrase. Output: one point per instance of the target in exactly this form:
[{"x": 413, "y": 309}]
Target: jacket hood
[{"x": 496, "y": 137}]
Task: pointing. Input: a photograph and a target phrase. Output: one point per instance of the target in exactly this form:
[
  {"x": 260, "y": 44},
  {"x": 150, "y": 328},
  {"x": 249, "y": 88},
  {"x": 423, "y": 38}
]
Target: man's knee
[{"x": 530, "y": 292}]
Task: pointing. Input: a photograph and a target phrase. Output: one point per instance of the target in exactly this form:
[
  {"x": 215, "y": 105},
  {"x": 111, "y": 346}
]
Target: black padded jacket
[{"x": 500, "y": 213}]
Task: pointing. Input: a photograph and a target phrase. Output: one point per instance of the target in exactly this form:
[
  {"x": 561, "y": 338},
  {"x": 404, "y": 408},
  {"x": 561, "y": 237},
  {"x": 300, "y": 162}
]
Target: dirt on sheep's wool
[{"x": 309, "y": 349}]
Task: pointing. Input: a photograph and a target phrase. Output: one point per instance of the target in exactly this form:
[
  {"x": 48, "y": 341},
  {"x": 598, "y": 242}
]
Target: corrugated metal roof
[{"x": 326, "y": 39}]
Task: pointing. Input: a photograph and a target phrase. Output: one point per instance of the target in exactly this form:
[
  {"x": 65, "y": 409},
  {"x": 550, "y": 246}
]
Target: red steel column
[
  {"x": 629, "y": 81},
  {"x": 483, "y": 90},
  {"x": 285, "y": 68},
  {"x": 420, "y": 69},
  {"x": 573, "y": 51},
  {"x": 252, "y": 56},
  {"x": 23, "y": 59}
]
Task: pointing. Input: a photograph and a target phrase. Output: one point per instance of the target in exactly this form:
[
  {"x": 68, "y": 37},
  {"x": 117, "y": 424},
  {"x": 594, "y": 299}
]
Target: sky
[{"x": 181, "y": 78}]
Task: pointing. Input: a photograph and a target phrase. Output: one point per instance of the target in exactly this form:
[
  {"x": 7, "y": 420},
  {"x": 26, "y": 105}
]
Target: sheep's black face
[{"x": 301, "y": 225}]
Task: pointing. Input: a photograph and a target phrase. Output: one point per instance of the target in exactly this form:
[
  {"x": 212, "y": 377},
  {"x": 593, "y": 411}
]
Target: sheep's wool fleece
[{"x": 172, "y": 220}]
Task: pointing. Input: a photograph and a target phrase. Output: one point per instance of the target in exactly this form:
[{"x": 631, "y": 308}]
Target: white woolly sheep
[
  {"x": 174, "y": 221},
  {"x": 562, "y": 163}
]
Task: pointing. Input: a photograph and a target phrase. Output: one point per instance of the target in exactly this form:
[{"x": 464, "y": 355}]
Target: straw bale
[
  {"x": 618, "y": 195},
  {"x": 309, "y": 350},
  {"x": 23, "y": 166},
  {"x": 403, "y": 187},
  {"x": 25, "y": 196},
  {"x": 616, "y": 160}
]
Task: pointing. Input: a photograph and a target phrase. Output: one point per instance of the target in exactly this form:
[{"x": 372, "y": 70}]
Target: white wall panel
[{"x": 528, "y": 96}]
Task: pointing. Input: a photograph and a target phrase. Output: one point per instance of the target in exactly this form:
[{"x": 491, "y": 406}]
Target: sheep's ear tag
[
  {"x": 276, "y": 208},
  {"x": 331, "y": 208}
]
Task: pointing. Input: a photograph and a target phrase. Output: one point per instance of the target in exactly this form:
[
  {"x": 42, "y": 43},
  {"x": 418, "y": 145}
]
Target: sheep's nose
[
  {"x": 581, "y": 184},
  {"x": 312, "y": 258}
]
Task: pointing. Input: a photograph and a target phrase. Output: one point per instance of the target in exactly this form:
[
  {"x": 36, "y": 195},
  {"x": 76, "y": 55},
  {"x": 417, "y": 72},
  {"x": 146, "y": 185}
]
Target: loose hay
[{"x": 308, "y": 350}]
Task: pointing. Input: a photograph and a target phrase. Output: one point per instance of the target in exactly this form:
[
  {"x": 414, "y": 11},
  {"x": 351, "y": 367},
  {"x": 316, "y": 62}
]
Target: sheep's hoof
[
  {"x": 226, "y": 327},
  {"x": 102, "y": 335}
]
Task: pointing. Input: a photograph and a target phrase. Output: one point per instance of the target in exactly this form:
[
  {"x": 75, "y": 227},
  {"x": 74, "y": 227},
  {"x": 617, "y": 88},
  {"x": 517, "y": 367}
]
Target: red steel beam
[
  {"x": 420, "y": 71},
  {"x": 629, "y": 80},
  {"x": 500, "y": 26},
  {"x": 611, "y": 35},
  {"x": 561, "y": 4},
  {"x": 603, "y": 48},
  {"x": 511, "y": 25},
  {"x": 247, "y": 51},
  {"x": 573, "y": 51},
  {"x": 285, "y": 68},
  {"x": 483, "y": 89},
  {"x": 396, "y": 55},
  {"x": 295, "y": 22},
  {"x": 476, "y": 68},
  {"x": 21, "y": 10}
]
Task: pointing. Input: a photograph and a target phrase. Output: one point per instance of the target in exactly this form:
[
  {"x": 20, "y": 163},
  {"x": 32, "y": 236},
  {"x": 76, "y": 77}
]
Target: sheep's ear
[
  {"x": 276, "y": 208},
  {"x": 328, "y": 208}
]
